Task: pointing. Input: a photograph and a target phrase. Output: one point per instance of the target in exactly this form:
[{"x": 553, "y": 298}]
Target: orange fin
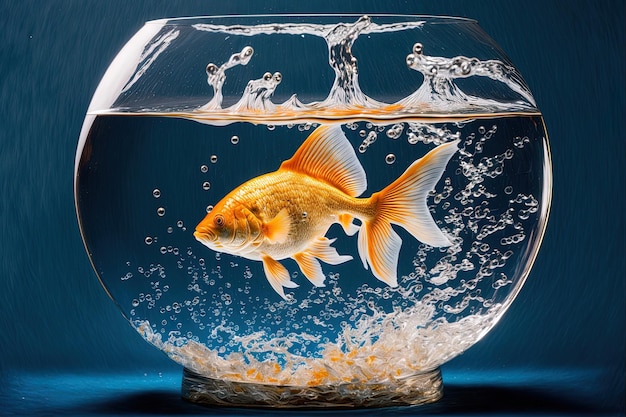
[
  {"x": 277, "y": 229},
  {"x": 404, "y": 202},
  {"x": 345, "y": 220},
  {"x": 277, "y": 275},
  {"x": 379, "y": 246},
  {"x": 311, "y": 268},
  {"x": 321, "y": 249},
  {"x": 327, "y": 155}
]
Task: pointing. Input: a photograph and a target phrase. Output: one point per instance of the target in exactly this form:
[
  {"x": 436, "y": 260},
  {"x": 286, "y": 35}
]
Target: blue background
[{"x": 65, "y": 348}]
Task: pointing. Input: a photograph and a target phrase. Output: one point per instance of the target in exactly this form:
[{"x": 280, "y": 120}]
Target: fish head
[
  {"x": 226, "y": 230},
  {"x": 214, "y": 229}
]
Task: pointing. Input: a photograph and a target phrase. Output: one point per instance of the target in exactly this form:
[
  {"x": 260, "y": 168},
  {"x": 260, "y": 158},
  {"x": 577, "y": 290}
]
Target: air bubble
[
  {"x": 204, "y": 168},
  {"x": 148, "y": 240},
  {"x": 213, "y": 159},
  {"x": 163, "y": 250},
  {"x": 179, "y": 223},
  {"x": 234, "y": 140},
  {"x": 170, "y": 229},
  {"x": 206, "y": 185},
  {"x": 390, "y": 159},
  {"x": 161, "y": 211},
  {"x": 209, "y": 208},
  {"x": 508, "y": 190},
  {"x": 156, "y": 193}
]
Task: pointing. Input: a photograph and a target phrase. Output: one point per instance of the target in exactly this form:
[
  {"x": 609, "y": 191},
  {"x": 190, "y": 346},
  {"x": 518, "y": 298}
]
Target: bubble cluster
[
  {"x": 368, "y": 141},
  {"x": 395, "y": 131}
]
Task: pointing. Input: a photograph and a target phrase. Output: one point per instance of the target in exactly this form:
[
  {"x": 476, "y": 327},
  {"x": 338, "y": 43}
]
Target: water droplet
[
  {"x": 204, "y": 168},
  {"x": 213, "y": 159},
  {"x": 135, "y": 302},
  {"x": 390, "y": 159},
  {"x": 156, "y": 193},
  {"x": 161, "y": 211},
  {"x": 482, "y": 130},
  {"x": 148, "y": 240},
  {"x": 209, "y": 208},
  {"x": 163, "y": 250},
  {"x": 206, "y": 185},
  {"x": 211, "y": 69},
  {"x": 170, "y": 229},
  {"x": 234, "y": 140},
  {"x": 179, "y": 223}
]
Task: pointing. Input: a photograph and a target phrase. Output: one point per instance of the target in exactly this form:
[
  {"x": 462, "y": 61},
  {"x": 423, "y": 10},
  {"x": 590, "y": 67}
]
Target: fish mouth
[{"x": 205, "y": 237}]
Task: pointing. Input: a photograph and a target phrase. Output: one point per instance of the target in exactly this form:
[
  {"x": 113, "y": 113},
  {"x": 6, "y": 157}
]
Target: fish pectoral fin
[
  {"x": 345, "y": 220},
  {"x": 277, "y": 229},
  {"x": 277, "y": 275},
  {"x": 321, "y": 249},
  {"x": 311, "y": 268}
]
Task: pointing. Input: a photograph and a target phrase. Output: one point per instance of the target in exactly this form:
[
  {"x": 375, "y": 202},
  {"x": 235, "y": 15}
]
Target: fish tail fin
[{"x": 404, "y": 202}]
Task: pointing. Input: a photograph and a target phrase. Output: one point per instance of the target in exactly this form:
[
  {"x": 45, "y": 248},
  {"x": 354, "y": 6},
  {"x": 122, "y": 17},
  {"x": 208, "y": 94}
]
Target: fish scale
[{"x": 313, "y": 206}]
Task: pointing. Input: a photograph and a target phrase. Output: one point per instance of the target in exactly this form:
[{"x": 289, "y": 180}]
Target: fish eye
[{"x": 219, "y": 220}]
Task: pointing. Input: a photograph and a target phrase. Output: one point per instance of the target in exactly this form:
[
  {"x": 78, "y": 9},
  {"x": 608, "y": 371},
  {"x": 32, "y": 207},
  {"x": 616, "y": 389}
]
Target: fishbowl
[{"x": 312, "y": 211}]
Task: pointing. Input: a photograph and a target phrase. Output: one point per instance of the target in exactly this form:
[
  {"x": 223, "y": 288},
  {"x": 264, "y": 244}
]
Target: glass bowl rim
[{"x": 432, "y": 18}]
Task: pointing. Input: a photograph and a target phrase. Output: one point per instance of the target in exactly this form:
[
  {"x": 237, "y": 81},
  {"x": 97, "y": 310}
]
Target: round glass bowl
[{"x": 312, "y": 210}]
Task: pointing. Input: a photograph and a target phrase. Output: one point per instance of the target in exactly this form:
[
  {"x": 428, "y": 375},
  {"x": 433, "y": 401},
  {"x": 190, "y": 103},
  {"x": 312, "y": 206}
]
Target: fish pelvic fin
[
  {"x": 327, "y": 155},
  {"x": 277, "y": 229},
  {"x": 404, "y": 202},
  {"x": 319, "y": 249},
  {"x": 277, "y": 275}
]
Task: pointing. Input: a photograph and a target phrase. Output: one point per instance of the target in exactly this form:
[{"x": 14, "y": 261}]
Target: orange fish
[{"x": 286, "y": 213}]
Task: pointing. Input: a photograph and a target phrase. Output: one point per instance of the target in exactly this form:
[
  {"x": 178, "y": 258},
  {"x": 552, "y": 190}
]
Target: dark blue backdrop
[{"x": 55, "y": 317}]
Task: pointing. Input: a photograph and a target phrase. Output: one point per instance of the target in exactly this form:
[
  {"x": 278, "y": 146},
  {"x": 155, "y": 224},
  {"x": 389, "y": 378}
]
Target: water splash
[
  {"x": 437, "y": 94},
  {"x": 257, "y": 94},
  {"x": 345, "y": 91},
  {"x": 216, "y": 76},
  {"x": 440, "y": 90}
]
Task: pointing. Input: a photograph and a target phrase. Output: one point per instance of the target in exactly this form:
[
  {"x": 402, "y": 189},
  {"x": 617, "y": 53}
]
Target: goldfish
[{"x": 287, "y": 213}]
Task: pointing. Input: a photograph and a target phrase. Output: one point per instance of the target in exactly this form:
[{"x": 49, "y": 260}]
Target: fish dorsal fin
[{"x": 328, "y": 156}]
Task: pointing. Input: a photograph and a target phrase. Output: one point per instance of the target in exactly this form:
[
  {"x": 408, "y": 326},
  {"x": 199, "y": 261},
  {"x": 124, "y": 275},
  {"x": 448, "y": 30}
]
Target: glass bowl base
[{"x": 414, "y": 390}]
